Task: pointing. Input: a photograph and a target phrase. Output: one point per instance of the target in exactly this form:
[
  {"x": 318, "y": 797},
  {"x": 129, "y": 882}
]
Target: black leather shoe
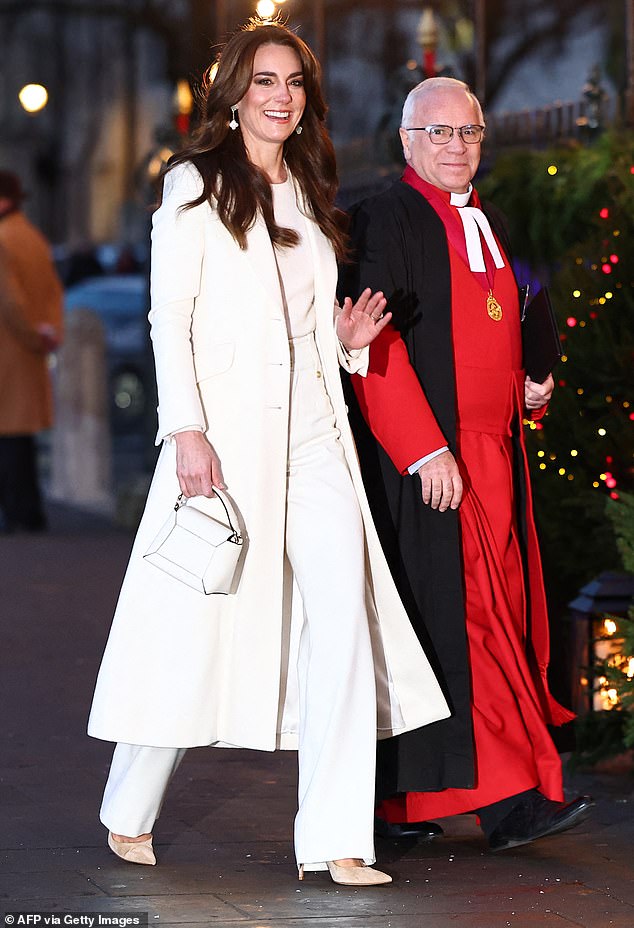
[
  {"x": 535, "y": 817},
  {"x": 424, "y": 831}
]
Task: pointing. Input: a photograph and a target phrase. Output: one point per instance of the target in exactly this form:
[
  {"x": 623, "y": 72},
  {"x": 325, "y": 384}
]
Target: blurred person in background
[{"x": 31, "y": 315}]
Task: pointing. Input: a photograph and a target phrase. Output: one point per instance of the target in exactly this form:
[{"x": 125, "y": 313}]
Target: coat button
[{"x": 318, "y": 373}]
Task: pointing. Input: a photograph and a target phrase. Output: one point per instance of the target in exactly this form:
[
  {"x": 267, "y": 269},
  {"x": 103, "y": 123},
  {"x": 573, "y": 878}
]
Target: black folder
[{"x": 540, "y": 337}]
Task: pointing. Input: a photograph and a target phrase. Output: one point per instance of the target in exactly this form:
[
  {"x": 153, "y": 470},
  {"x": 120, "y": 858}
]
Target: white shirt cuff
[
  {"x": 355, "y": 361},
  {"x": 428, "y": 457},
  {"x": 185, "y": 428}
]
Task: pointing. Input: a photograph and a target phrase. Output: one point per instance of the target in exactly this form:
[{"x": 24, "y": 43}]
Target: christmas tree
[{"x": 571, "y": 213}]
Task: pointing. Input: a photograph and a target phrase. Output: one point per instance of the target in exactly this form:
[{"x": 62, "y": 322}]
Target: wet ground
[{"x": 224, "y": 840}]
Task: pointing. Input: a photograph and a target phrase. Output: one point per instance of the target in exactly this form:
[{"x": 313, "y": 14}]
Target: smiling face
[
  {"x": 452, "y": 166},
  {"x": 274, "y": 103}
]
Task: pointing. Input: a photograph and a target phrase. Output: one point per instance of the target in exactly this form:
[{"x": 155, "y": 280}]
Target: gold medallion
[{"x": 493, "y": 307}]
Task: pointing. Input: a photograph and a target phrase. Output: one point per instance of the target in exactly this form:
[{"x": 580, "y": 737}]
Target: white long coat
[{"x": 185, "y": 669}]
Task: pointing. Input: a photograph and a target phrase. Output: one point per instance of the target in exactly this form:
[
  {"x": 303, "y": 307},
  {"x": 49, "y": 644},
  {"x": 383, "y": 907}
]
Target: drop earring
[
  {"x": 299, "y": 130},
  {"x": 234, "y": 122}
]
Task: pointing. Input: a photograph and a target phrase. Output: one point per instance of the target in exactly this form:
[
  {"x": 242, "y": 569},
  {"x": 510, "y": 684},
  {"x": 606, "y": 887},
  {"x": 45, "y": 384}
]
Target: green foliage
[
  {"x": 599, "y": 735},
  {"x": 549, "y": 214},
  {"x": 557, "y": 223},
  {"x": 576, "y": 539},
  {"x": 588, "y": 432},
  {"x": 621, "y": 514},
  {"x": 576, "y": 229}
]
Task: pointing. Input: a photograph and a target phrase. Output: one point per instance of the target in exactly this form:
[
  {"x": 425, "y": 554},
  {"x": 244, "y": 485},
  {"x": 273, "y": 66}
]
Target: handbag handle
[{"x": 182, "y": 501}]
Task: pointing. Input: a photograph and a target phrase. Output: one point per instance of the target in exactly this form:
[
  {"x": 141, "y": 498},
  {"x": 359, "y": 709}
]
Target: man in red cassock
[{"x": 444, "y": 398}]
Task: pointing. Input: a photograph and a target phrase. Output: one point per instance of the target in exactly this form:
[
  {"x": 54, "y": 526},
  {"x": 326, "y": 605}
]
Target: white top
[{"x": 295, "y": 265}]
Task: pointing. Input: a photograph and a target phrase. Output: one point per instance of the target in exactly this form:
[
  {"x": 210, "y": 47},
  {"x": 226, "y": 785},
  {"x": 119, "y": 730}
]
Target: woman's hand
[
  {"x": 360, "y": 324},
  {"x": 537, "y": 395},
  {"x": 198, "y": 466}
]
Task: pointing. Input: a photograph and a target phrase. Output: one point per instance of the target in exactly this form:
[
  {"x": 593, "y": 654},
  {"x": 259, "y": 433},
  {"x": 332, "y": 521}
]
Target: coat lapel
[{"x": 261, "y": 257}]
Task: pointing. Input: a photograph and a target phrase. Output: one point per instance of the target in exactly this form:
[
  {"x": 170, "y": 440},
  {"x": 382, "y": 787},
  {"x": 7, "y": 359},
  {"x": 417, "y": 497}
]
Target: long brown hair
[{"x": 238, "y": 186}]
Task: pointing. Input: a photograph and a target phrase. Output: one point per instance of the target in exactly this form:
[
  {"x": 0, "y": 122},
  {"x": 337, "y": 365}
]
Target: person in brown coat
[{"x": 30, "y": 328}]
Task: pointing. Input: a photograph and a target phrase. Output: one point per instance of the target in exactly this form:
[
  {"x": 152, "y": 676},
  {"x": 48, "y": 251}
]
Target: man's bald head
[{"x": 432, "y": 89}]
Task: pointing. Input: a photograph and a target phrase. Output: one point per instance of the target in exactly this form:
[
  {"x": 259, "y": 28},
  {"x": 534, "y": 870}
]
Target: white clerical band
[
  {"x": 472, "y": 218},
  {"x": 474, "y": 221}
]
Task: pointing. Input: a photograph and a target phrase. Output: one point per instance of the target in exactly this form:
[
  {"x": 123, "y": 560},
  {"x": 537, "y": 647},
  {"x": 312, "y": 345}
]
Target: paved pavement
[{"x": 224, "y": 840}]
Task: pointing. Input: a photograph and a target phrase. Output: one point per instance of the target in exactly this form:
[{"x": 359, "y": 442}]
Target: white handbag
[{"x": 197, "y": 549}]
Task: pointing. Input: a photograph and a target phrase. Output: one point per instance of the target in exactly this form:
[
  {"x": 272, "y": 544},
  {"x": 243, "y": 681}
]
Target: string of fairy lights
[
  {"x": 616, "y": 672},
  {"x": 607, "y": 265}
]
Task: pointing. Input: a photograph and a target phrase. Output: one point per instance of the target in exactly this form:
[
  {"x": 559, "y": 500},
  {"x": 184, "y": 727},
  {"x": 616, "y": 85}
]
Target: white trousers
[{"x": 337, "y": 699}]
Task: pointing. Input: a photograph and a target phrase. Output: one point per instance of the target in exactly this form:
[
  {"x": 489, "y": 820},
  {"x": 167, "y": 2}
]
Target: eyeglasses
[{"x": 440, "y": 135}]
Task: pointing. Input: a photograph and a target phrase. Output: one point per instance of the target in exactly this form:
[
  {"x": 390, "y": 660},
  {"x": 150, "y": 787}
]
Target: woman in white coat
[{"x": 313, "y": 650}]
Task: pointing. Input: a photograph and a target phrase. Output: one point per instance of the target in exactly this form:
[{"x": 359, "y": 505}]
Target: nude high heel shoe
[
  {"x": 353, "y": 876},
  {"x": 134, "y": 852}
]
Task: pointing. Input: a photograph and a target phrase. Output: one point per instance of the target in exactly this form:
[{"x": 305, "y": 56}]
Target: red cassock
[{"x": 510, "y": 707}]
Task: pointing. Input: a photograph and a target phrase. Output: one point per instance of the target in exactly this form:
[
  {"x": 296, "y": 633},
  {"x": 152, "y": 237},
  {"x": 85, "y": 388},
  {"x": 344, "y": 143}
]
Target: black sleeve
[{"x": 379, "y": 258}]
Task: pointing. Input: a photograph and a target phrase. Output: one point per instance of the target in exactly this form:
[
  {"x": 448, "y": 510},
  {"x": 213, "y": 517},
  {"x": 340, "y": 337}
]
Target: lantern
[{"x": 595, "y": 640}]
